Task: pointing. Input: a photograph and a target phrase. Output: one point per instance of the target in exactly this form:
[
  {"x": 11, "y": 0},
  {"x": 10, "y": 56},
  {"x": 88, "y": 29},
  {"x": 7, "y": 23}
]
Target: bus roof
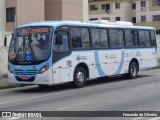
[{"x": 56, "y": 24}]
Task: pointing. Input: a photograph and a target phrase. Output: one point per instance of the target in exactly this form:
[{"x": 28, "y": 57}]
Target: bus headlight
[
  {"x": 44, "y": 69},
  {"x": 10, "y": 69}
]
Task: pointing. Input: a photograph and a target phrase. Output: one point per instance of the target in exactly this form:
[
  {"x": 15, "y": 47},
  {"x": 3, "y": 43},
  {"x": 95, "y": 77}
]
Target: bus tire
[
  {"x": 133, "y": 70},
  {"x": 79, "y": 77}
]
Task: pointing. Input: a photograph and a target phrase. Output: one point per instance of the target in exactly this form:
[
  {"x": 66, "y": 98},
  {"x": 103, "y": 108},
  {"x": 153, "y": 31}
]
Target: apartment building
[
  {"x": 118, "y": 10},
  {"x": 14, "y": 13},
  {"x": 2, "y": 15},
  {"x": 147, "y": 13},
  {"x": 140, "y": 12},
  {"x": 19, "y": 12},
  {"x": 76, "y": 10}
]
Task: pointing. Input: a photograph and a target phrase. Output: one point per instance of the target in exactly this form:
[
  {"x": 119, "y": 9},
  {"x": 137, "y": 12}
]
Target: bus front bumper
[{"x": 40, "y": 79}]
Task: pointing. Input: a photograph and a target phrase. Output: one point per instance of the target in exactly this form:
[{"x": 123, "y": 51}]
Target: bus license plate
[{"x": 24, "y": 78}]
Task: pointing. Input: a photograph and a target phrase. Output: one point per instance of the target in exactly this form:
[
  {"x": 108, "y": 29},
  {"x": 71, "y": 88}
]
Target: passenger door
[
  {"x": 61, "y": 49},
  {"x": 118, "y": 52}
]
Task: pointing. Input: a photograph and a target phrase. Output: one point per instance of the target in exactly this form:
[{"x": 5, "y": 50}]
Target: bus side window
[
  {"x": 141, "y": 38},
  {"x": 144, "y": 38},
  {"x": 96, "y": 41},
  {"x": 104, "y": 37},
  {"x": 116, "y": 38},
  {"x": 85, "y": 38},
  {"x": 153, "y": 38},
  {"x": 135, "y": 35},
  {"x": 148, "y": 39},
  {"x": 61, "y": 42},
  {"x": 129, "y": 37},
  {"x": 80, "y": 38},
  {"x": 76, "y": 37}
]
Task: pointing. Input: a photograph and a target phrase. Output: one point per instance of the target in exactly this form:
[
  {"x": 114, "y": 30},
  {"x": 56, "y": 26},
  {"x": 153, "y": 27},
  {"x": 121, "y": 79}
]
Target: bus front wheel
[{"x": 79, "y": 77}]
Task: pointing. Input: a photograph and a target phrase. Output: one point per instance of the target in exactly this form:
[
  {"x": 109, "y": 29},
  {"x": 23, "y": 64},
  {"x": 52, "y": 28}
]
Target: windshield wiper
[{"x": 17, "y": 53}]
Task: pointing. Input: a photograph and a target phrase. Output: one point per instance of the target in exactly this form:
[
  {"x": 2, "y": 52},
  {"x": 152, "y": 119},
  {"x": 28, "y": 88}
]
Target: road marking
[
  {"x": 31, "y": 98},
  {"x": 90, "y": 88},
  {"x": 73, "y": 106},
  {"x": 71, "y": 91}
]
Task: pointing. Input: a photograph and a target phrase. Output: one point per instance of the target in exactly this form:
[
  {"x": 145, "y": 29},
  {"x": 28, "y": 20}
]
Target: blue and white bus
[{"x": 48, "y": 53}]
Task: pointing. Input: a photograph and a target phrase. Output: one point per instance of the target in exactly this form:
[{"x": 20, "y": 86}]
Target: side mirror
[{"x": 59, "y": 40}]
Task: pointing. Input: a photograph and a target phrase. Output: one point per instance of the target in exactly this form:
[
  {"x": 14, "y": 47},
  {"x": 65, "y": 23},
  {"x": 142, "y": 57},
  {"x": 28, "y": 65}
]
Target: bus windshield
[{"x": 30, "y": 44}]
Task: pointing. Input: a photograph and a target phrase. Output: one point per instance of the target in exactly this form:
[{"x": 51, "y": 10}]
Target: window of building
[
  {"x": 64, "y": 47},
  {"x": 143, "y": 18},
  {"x": 153, "y": 38},
  {"x": 103, "y": 6},
  {"x": 156, "y": 17},
  {"x": 93, "y": 7},
  {"x": 80, "y": 38},
  {"x": 133, "y": 19},
  {"x": 10, "y": 14},
  {"x": 91, "y": 19},
  {"x": 133, "y": 5},
  {"x": 104, "y": 38},
  {"x": 107, "y": 6},
  {"x": 156, "y": 3},
  {"x": 158, "y": 32},
  {"x": 143, "y": 3},
  {"x": 116, "y": 38},
  {"x": 107, "y": 10},
  {"x": 144, "y": 38},
  {"x": 117, "y": 5},
  {"x": 118, "y": 19}
]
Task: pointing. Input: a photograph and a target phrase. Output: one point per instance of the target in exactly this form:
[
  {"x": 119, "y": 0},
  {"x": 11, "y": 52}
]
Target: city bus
[{"x": 52, "y": 52}]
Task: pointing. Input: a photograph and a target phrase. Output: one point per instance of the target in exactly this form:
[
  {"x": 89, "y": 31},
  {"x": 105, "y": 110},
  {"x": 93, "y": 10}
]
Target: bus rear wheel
[
  {"x": 133, "y": 70},
  {"x": 79, "y": 77}
]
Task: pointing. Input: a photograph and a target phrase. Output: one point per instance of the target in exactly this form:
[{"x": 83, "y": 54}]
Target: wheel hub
[
  {"x": 80, "y": 77},
  {"x": 133, "y": 70}
]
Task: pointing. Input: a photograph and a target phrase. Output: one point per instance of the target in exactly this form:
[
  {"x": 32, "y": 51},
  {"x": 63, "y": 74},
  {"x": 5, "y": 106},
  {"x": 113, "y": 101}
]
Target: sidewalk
[{"x": 4, "y": 81}]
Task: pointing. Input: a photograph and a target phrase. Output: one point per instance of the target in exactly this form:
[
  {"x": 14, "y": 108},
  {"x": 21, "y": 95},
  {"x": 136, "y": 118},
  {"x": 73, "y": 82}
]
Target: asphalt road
[{"x": 105, "y": 94}]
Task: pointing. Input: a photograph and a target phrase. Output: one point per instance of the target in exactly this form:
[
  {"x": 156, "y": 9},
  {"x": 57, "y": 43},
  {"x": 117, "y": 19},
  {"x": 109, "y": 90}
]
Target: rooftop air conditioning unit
[
  {"x": 143, "y": 8},
  {"x": 106, "y": 22}
]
